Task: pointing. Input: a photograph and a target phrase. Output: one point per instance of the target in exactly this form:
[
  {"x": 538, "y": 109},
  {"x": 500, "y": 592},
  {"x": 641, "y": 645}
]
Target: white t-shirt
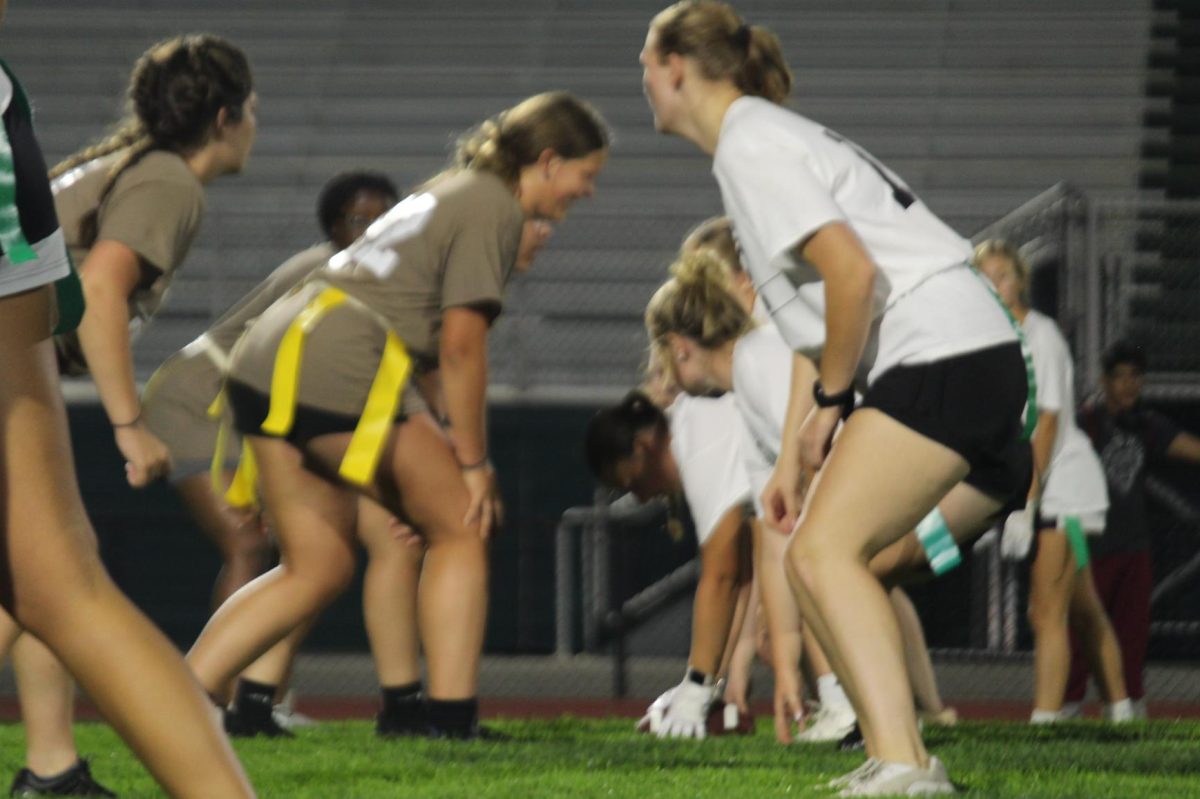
[
  {"x": 704, "y": 441},
  {"x": 762, "y": 382},
  {"x": 783, "y": 177},
  {"x": 1074, "y": 482}
]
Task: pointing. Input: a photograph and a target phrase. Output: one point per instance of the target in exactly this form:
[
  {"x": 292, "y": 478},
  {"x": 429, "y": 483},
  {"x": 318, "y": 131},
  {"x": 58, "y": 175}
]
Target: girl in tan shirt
[{"x": 429, "y": 277}]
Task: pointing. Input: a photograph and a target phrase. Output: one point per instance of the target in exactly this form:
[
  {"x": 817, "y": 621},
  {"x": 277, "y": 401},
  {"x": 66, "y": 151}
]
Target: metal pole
[{"x": 566, "y": 588}]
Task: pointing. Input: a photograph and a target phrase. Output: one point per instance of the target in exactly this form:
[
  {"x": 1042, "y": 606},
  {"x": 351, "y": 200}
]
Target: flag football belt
[
  {"x": 940, "y": 548},
  {"x": 370, "y": 434}
]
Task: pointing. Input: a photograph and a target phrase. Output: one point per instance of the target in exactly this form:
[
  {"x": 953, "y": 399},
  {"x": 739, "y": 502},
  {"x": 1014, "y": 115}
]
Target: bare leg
[
  {"x": 52, "y": 581},
  {"x": 47, "y": 694},
  {"x": 314, "y": 521},
  {"x": 916, "y": 655},
  {"x": 390, "y": 597},
  {"x": 1051, "y": 579},
  {"x": 240, "y": 537},
  {"x": 860, "y": 504},
  {"x": 1097, "y": 638}
]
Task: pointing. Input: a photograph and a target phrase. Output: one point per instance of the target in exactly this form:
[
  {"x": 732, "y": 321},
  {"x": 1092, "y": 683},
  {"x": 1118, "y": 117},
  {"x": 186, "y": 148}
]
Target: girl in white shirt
[
  {"x": 1067, "y": 499},
  {"x": 838, "y": 244}
]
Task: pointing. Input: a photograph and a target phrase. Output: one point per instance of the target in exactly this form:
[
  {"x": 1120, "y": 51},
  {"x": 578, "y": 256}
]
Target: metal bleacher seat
[{"x": 979, "y": 104}]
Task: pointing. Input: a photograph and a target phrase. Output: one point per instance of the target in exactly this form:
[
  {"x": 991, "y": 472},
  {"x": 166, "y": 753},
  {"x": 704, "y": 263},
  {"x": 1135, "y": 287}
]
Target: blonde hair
[
  {"x": 696, "y": 302},
  {"x": 716, "y": 236},
  {"x": 725, "y": 47},
  {"x": 1002, "y": 248},
  {"x": 515, "y": 138}
]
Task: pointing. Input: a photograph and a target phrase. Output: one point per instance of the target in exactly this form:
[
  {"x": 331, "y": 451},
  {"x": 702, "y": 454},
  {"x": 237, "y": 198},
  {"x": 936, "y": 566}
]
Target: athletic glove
[
  {"x": 652, "y": 721},
  {"x": 1018, "y": 534},
  {"x": 687, "y": 714}
]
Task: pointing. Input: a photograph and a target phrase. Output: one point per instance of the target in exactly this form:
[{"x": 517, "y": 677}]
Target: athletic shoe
[
  {"x": 1071, "y": 710},
  {"x": 856, "y": 776},
  {"x": 239, "y": 725},
  {"x": 75, "y": 781},
  {"x": 853, "y": 740},
  {"x": 901, "y": 779},
  {"x": 1119, "y": 712},
  {"x": 401, "y": 725},
  {"x": 828, "y": 724},
  {"x": 289, "y": 718},
  {"x": 477, "y": 732}
]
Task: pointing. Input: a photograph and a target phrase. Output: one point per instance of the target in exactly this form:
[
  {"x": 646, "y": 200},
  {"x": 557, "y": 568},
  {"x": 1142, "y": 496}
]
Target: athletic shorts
[
  {"x": 251, "y": 406},
  {"x": 971, "y": 403},
  {"x": 175, "y": 408},
  {"x": 1092, "y": 522}
]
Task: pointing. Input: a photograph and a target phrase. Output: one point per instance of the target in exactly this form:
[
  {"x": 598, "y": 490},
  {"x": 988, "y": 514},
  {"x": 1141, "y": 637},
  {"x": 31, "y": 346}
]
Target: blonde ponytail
[{"x": 696, "y": 303}]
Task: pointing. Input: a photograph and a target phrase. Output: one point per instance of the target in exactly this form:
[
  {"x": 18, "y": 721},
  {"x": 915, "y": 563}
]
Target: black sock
[
  {"x": 254, "y": 700},
  {"x": 454, "y": 717},
  {"x": 402, "y": 700}
]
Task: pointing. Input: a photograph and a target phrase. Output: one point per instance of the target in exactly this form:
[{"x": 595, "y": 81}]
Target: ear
[
  {"x": 221, "y": 122},
  {"x": 675, "y": 69},
  {"x": 548, "y": 162}
]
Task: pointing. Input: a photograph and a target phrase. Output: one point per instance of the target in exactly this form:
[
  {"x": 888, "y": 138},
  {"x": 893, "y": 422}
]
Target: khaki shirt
[
  {"x": 154, "y": 208},
  {"x": 452, "y": 244}
]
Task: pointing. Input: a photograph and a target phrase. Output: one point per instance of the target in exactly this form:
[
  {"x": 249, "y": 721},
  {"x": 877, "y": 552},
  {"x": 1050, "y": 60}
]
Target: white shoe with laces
[
  {"x": 856, "y": 776},
  {"x": 828, "y": 724},
  {"x": 902, "y": 779}
]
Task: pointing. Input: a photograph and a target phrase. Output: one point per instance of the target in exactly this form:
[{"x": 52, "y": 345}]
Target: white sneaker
[
  {"x": 854, "y": 777},
  {"x": 289, "y": 718},
  {"x": 1120, "y": 712},
  {"x": 828, "y": 724},
  {"x": 902, "y": 779},
  {"x": 1071, "y": 710}
]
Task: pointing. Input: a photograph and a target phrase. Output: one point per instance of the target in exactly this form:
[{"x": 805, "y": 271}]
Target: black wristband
[
  {"x": 698, "y": 677},
  {"x": 843, "y": 399}
]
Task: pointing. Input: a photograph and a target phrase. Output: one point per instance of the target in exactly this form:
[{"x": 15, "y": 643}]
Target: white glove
[
  {"x": 687, "y": 715},
  {"x": 652, "y": 721},
  {"x": 1018, "y": 534}
]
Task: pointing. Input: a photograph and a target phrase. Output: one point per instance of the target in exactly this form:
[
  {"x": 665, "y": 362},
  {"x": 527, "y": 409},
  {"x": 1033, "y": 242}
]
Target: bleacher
[{"x": 979, "y": 104}]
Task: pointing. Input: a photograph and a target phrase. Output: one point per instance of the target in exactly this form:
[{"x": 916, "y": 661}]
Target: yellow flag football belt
[{"x": 366, "y": 445}]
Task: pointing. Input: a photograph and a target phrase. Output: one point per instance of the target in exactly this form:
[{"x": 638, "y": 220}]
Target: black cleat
[
  {"x": 476, "y": 732},
  {"x": 239, "y": 725},
  {"x": 413, "y": 720},
  {"x": 853, "y": 742},
  {"x": 75, "y": 781}
]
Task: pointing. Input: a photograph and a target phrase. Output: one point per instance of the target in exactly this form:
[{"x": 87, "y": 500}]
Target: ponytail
[
  {"x": 176, "y": 90},
  {"x": 696, "y": 303},
  {"x": 515, "y": 138},
  {"x": 725, "y": 47},
  {"x": 611, "y": 432}
]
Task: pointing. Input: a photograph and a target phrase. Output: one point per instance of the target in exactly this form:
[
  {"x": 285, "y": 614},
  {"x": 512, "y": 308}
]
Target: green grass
[{"x": 575, "y": 758}]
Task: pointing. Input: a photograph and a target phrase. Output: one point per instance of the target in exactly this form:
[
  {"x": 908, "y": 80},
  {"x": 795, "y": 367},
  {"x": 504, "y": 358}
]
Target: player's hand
[
  {"x": 687, "y": 715},
  {"x": 146, "y": 456},
  {"x": 816, "y": 436},
  {"x": 1017, "y": 537},
  {"x": 485, "y": 507},
  {"x": 781, "y": 496},
  {"x": 652, "y": 721},
  {"x": 405, "y": 533},
  {"x": 789, "y": 709}
]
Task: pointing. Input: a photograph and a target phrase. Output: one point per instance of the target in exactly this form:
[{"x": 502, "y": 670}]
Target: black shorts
[
  {"x": 250, "y": 408},
  {"x": 972, "y": 404}
]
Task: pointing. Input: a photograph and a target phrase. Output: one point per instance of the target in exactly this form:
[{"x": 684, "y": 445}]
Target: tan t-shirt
[
  {"x": 225, "y": 332},
  {"x": 155, "y": 208},
  {"x": 452, "y": 244}
]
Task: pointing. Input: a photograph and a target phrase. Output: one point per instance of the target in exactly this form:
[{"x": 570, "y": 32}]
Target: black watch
[{"x": 843, "y": 399}]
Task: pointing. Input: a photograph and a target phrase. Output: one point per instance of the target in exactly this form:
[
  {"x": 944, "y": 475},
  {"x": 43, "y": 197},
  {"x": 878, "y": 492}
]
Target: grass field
[{"x": 574, "y": 758}]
